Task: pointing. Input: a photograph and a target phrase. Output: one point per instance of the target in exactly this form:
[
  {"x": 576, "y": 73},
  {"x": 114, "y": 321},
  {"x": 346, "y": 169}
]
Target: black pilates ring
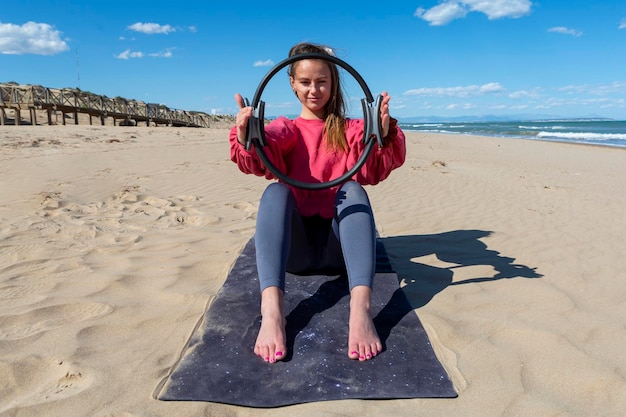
[{"x": 371, "y": 117}]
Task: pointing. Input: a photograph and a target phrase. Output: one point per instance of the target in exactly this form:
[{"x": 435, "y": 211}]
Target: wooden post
[{"x": 49, "y": 111}]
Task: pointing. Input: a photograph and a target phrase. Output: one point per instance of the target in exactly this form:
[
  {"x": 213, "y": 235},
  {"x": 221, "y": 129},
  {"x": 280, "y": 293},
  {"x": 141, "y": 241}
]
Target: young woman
[{"x": 313, "y": 231}]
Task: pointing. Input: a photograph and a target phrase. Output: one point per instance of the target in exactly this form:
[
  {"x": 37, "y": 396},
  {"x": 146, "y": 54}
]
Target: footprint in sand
[
  {"x": 21, "y": 326},
  {"x": 35, "y": 380},
  {"x": 174, "y": 211},
  {"x": 122, "y": 218},
  {"x": 156, "y": 202},
  {"x": 50, "y": 200},
  {"x": 12, "y": 256},
  {"x": 13, "y": 296},
  {"x": 248, "y": 208}
]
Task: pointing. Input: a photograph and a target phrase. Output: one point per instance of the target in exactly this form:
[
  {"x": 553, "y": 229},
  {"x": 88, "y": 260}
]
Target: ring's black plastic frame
[{"x": 371, "y": 116}]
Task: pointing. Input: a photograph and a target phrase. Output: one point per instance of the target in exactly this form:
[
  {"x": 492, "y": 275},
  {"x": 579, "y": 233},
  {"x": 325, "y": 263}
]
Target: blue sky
[{"x": 444, "y": 58}]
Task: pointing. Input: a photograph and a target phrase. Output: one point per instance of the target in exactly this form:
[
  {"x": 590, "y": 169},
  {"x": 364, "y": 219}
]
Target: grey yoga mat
[{"x": 218, "y": 365}]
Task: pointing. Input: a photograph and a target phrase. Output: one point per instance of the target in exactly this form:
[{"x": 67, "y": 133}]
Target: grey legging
[{"x": 287, "y": 241}]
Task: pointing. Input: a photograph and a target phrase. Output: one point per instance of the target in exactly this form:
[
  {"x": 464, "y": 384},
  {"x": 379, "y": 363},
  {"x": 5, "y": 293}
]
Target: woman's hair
[{"x": 335, "y": 117}]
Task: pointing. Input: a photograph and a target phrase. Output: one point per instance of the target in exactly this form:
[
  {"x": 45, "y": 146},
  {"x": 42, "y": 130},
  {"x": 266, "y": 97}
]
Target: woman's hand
[
  {"x": 384, "y": 113},
  {"x": 241, "y": 122}
]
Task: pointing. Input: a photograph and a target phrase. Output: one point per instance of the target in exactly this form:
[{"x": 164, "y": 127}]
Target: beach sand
[{"x": 113, "y": 240}]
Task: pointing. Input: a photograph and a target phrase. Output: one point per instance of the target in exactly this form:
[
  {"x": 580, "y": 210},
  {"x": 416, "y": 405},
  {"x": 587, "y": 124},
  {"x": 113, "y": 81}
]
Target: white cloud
[
  {"x": 604, "y": 102},
  {"x": 266, "y": 63},
  {"x": 163, "y": 54},
  {"x": 442, "y": 14},
  {"x": 622, "y": 24},
  {"x": 151, "y": 28},
  {"x": 127, "y": 54},
  {"x": 534, "y": 93},
  {"x": 491, "y": 88},
  {"x": 571, "y": 89},
  {"x": 613, "y": 88},
  {"x": 498, "y": 9},
  {"x": 461, "y": 91},
  {"x": 565, "y": 31},
  {"x": 450, "y": 10},
  {"x": 461, "y": 106},
  {"x": 597, "y": 90},
  {"x": 31, "y": 38}
]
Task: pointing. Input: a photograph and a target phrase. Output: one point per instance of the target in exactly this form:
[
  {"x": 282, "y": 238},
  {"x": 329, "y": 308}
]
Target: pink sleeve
[
  {"x": 280, "y": 138},
  {"x": 382, "y": 160}
]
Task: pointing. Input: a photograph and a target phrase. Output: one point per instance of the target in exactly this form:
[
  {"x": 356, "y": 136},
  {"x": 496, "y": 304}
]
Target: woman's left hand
[{"x": 384, "y": 113}]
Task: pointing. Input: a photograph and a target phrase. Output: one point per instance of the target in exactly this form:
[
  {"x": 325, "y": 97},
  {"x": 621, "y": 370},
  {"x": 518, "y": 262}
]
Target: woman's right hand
[{"x": 241, "y": 122}]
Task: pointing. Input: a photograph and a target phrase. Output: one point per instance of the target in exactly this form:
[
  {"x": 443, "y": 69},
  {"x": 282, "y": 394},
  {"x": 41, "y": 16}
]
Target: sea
[{"x": 593, "y": 131}]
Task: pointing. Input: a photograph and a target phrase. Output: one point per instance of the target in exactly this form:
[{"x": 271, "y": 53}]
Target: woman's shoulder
[
  {"x": 354, "y": 123},
  {"x": 281, "y": 121},
  {"x": 282, "y": 130},
  {"x": 354, "y": 129},
  {"x": 280, "y": 124}
]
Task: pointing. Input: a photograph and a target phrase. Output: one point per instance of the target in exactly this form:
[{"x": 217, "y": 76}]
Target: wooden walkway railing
[{"x": 71, "y": 101}]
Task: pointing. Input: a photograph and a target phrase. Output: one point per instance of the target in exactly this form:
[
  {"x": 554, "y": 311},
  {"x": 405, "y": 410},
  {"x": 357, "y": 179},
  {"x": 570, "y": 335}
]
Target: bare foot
[
  {"x": 363, "y": 340},
  {"x": 271, "y": 341}
]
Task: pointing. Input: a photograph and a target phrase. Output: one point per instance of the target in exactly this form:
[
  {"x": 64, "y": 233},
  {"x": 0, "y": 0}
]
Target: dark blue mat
[{"x": 219, "y": 365}]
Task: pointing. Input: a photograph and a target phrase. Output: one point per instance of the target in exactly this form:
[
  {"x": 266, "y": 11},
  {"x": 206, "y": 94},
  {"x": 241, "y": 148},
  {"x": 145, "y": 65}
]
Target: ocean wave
[
  {"x": 582, "y": 136},
  {"x": 605, "y": 133},
  {"x": 557, "y": 127},
  {"x": 436, "y": 131}
]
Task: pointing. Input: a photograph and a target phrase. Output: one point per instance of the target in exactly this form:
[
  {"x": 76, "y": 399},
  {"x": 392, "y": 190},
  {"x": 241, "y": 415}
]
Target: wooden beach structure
[{"x": 69, "y": 103}]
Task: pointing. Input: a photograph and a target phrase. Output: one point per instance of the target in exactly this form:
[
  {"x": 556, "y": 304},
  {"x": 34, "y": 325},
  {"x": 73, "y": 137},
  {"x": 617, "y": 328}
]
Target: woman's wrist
[{"x": 392, "y": 132}]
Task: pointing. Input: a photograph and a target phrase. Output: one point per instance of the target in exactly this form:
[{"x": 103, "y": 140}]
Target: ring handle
[{"x": 372, "y": 128}]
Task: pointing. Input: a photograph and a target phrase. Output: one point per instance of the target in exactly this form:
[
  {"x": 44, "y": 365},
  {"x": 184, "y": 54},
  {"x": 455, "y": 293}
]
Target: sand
[{"x": 113, "y": 240}]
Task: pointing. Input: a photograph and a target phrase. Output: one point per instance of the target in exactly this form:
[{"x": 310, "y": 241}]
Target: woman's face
[{"x": 312, "y": 83}]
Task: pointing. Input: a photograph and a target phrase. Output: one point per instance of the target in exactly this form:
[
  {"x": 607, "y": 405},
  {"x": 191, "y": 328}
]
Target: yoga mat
[{"x": 219, "y": 364}]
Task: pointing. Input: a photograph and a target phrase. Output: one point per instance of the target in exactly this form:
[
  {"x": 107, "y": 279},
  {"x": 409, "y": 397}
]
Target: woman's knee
[
  {"x": 352, "y": 186},
  {"x": 277, "y": 195},
  {"x": 352, "y": 191},
  {"x": 276, "y": 189},
  {"x": 351, "y": 197}
]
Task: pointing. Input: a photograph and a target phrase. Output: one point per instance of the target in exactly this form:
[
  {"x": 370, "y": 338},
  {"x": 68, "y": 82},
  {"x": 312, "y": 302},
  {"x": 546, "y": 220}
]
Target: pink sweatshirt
[{"x": 298, "y": 149}]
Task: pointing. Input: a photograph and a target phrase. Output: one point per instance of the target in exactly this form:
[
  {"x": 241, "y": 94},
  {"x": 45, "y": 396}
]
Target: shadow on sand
[{"x": 460, "y": 248}]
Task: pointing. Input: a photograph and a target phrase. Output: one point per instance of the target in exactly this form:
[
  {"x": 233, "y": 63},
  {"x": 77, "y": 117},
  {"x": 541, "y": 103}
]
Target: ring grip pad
[
  {"x": 371, "y": 117},
  {"x": 255, "y": 128}
]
